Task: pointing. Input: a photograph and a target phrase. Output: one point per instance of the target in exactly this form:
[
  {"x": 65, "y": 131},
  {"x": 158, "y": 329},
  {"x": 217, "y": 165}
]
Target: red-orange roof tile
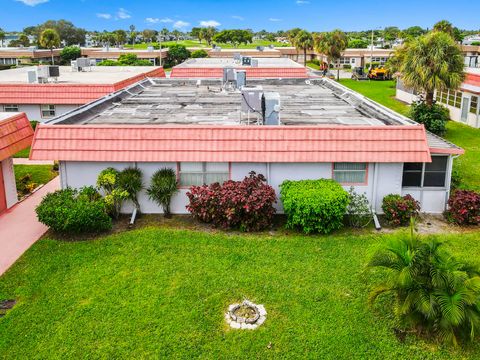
[
  {"x": 158, "y": 143},
  {"x": 59, "y": 94},
  {"x": 15, "y": 134}
]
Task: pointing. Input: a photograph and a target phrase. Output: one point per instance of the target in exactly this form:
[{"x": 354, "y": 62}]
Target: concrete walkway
[
  {"x": 26, "y": 161},
  {"x": 19, "y": 227}
]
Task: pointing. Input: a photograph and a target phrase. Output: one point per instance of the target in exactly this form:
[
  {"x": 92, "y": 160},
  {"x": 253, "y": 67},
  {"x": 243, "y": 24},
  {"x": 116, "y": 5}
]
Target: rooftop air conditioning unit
[
  {"x": 32, "y": 76},
  {"x": 83, "y": 63},
  {"x": 260, "y": 48},
  {"x": 150, "y": 49},
  {"x": 241, "y": 79},
  {"x": 271, "y": 107},
  {"x": 252, "y": 99},
  {"x": 53, "y": 71},
  {"x": 254, "y": 63},
  {"x": 246, "y": 61}
]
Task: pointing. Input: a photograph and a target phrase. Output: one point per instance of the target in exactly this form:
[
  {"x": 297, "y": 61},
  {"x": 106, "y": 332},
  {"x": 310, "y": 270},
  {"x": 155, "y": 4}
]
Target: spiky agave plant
[{"x": 432, "y": 290}]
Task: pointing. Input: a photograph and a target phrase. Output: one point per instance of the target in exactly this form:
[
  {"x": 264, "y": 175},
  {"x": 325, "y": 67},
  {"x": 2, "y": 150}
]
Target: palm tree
[
  {"x": 162, "y": 188},
  {"x": 431, "y": 62},
  {"x": 176, "y": 34},
  {"x": 292, "y": 38},
  {"x": 304, "y": 41},
  {"x": 130, "y": 180},
  {"x": 331, "y": 45},
  {"x": 208, "y": 34},
  {"x": 133, "y": 34},
  {"x": 50, "y": 39},
  {"x": 432, "y": 291},
  {"x": 2, "y": 36},
  {"x": 201, "y": 35}
]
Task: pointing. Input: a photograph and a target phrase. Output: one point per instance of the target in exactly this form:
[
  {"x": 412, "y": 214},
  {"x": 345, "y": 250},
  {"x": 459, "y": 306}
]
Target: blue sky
[{"x": 313, "y": 15}]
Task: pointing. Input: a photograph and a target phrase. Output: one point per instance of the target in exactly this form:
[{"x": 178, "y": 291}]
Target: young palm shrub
[
  {"x": 162, "y": 188},
  {"x": 433, "y": 292},
  {"x": 130, "y": 180}
]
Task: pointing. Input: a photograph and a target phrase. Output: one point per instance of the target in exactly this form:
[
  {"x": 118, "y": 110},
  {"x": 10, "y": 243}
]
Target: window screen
[
  {"x": 350, "y": 173},
  {"x": 198, "y": 173}
]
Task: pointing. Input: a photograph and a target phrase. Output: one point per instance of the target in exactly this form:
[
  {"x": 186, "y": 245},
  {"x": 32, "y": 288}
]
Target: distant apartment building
[
  {"x": 107, "y": 53},
  {"x": 71, "y": 89},
  {"x": 12, "y": 38},
  {"x": 16, "y": 56}
]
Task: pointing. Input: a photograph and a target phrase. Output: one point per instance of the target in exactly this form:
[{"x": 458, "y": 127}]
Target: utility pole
[{"x": 371, "y": 53}]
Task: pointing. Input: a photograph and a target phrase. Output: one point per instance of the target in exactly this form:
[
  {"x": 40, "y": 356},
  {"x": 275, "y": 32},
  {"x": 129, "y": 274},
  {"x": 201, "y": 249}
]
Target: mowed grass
[
  {"x": 41, "y": 174},
  {"x": 25, "y": 153},
  {"x": 468, "y": 138},
  {"x": 162, "y": 293}
]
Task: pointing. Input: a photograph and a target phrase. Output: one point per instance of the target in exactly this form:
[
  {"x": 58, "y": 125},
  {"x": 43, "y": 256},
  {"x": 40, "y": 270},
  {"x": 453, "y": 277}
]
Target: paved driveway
[{"x": 19, "y": 227}]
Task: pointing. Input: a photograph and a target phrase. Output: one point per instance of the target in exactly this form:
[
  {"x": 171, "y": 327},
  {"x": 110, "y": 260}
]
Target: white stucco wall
[
  {"x": 383, "y": 179},
  {"x": 33, "y": 110},
  {"x": 9, "y": 182},
  {"x": 406, "y": 97}
]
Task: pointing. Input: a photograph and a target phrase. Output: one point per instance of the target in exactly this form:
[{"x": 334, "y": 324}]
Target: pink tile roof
[
  {"x": 253, "y": 72},
  {"x": 159, "y": 143},
  {"x": 58, "y": 94},
  {"x": 15, "y": 134}
]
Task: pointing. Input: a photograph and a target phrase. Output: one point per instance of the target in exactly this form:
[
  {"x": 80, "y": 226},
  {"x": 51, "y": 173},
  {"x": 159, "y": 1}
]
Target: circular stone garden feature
[{"x": 246, "y": 315}]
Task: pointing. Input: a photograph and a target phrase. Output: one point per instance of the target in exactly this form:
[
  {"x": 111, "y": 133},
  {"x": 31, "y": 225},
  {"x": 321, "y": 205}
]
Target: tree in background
[
  {"x": 2, "y": 36},
  {"x": 70, "y": 53},
  {"x": 199, "y": 54},
  {"x": 176, "y": 54},
  {"x": 208, "y": 34},
  {"x": 120, "y": 37},
  {"x": 390, "y": 33},
  {"x": 149, "y": 35},
  {"x": 447, "y": 27},
  {"x": 234, "y": 37},
  {"x": 50, "y": 39},
  {"x": 431, "y": 62},
  {"x": 69, "y": 34},
  {"x": 304, "y": 41},
  {"x": 176, "y": 34},
  {"x": 291, "y": 36},
  {"x": 132, "y": 34},
  {"x": 331, "y": 45},
  {"x": 358, "y": 44},
  {"x": 413, "y": 32},
  {"x": 22, "y": 41}
]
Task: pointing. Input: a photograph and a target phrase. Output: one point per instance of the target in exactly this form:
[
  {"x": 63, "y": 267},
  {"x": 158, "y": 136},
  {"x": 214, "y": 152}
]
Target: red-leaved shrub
[
  {"x": 464, "y": 208},
  {"x": 246, "y": 204},
  {"x": 399, "y": 209}
]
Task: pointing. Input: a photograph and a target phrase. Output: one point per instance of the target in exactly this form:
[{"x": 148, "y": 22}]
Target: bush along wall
[
  {"x": 464, "y": 208},
  {"x": 246, "y": 205},
  {"x": 314, "y": 205},
  {"x": 399, "y": 209}
]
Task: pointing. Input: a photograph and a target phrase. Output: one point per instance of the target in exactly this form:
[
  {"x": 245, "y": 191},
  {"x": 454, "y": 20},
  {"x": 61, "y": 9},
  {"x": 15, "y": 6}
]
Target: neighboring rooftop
[
  {"x": 16, "y": 133},
  {"x": 96, "y": 74},
  {"x": 73, "y": 88},
  {"x": 264, "y": 68}
]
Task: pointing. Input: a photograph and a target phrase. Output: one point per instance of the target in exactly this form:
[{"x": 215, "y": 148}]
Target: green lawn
[
  {"x": 464, "y": 136},
  {"x": 162, "y": 293},
  {"x": 203, "y": 44},
  {"x": 41, "y": 174},
  {"x": 25, "y": 153}
]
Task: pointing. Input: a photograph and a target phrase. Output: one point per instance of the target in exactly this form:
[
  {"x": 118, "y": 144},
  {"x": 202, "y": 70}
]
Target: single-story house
[
  {"x": 285, "y": 129},
  {"x": 45, "y": 100},
  {"x": 15, "y": 134}
]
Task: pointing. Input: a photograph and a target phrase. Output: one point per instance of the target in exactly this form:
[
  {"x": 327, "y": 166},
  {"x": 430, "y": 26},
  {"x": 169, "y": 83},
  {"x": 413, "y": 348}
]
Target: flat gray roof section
[
  {"x": 312, "y": 102},
  {"x": 95, "y": 74}
]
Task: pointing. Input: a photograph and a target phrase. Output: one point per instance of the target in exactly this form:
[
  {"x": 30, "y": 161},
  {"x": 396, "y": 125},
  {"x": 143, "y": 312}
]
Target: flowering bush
[
  {"x": 398, "y": 210},
  {"x": 246, "y": 204},
  {"x": 464, "y": 208},
  {"x": 314, "y": 205}
]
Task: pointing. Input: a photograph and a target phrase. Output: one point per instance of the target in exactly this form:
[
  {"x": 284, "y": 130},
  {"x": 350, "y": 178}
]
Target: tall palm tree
[
  {"x": 331, "y": 45},
  {"x": 432, "y": 291},
  {"x": 2, "y": 36},
  {"x": 431, "y": 62},
  {"x": 292, "y": 36},
  {"x": 50, "y": 39},
  {"x": 304, "y": 41}
]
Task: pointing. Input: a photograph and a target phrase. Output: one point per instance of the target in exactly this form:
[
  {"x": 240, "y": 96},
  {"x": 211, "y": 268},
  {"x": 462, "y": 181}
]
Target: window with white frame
[
  {"x": 350, "y": 173},
  {"x": 10, "y": 108},
  {"x": 432, "y": 174},
  {"x": 47, "y": 111},
  {"x": 474, "y": 104},
  {"x": 200, "y": 173}
]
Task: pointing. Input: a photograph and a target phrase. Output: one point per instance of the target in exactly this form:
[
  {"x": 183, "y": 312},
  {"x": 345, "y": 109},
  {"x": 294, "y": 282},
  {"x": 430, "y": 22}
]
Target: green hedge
[{"x": 314, "y": 205}]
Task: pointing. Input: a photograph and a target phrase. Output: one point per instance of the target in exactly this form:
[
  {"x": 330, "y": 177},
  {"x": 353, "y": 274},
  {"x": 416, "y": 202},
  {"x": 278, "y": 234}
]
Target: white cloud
[
  {"x": 123, "y": 14},
  {"x": 152, "y": 20},
  {"x": 32, "y": 2},
  {"x": 237, "y": 17},
  {"x": 104, "y": 16},
  {"x": 180, "y": 24},
  {"x": 166, "y": 20},
  {"x": 209, "y": 23},
  {"x": 274, "y": 19},
  {"x": 302, "y": 2}
]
